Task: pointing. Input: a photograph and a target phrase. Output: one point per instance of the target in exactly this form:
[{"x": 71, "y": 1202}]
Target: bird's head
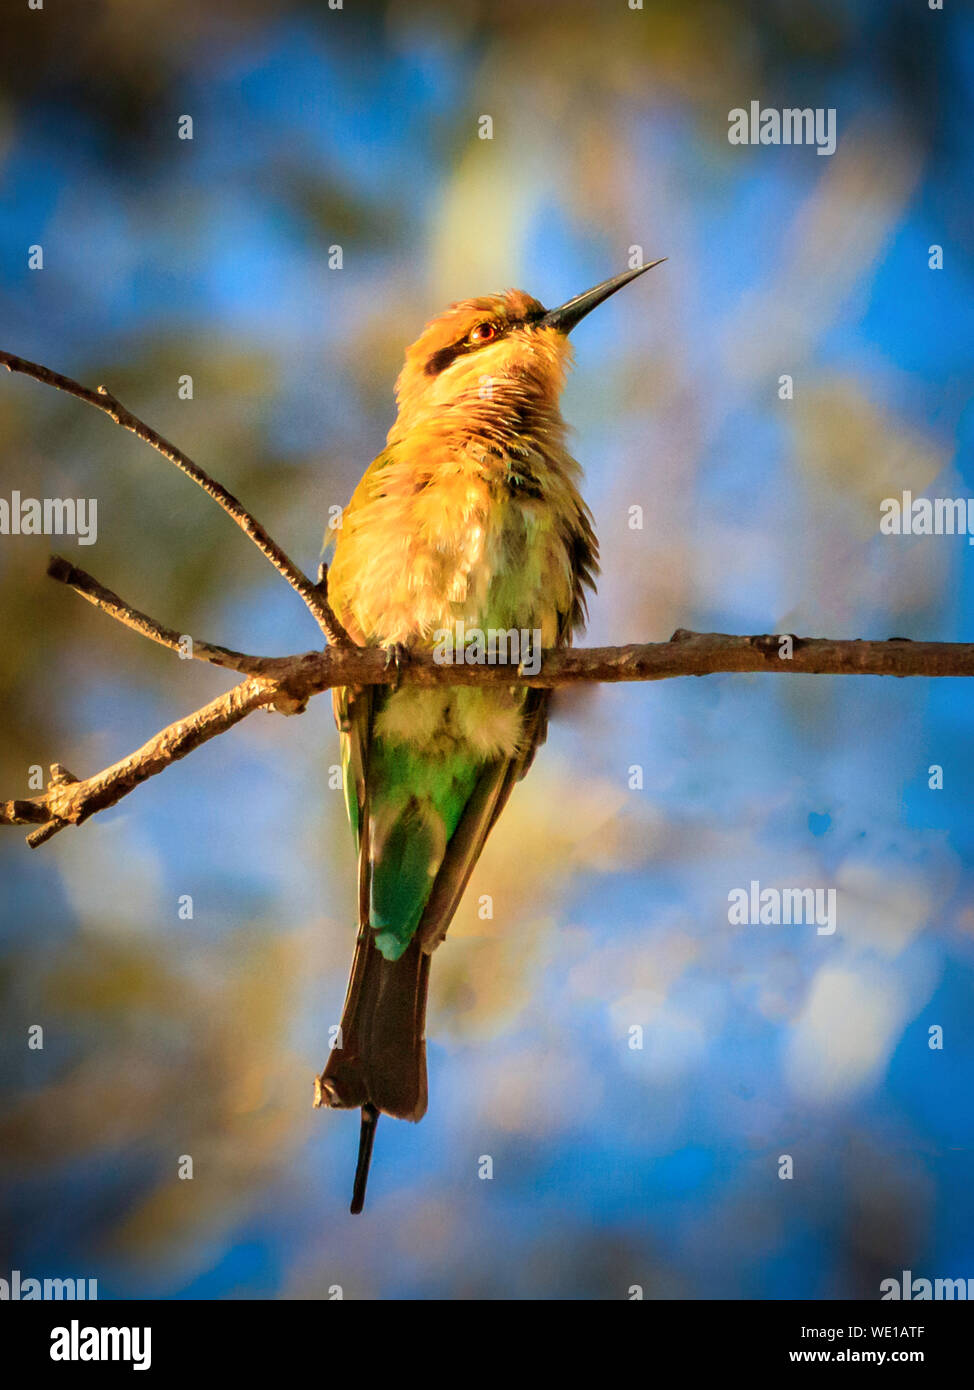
[{"x": 490, "y": 354}]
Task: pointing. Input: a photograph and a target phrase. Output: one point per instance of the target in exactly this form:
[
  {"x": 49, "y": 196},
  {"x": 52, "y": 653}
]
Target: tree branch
[
  {"x": 685, "y": 654},
  {"x": 286, "y": 683},
  {"x": 89, "y": 588},
  {"x": 313, "y": 594},
  {"x": 69, "y": 801}
]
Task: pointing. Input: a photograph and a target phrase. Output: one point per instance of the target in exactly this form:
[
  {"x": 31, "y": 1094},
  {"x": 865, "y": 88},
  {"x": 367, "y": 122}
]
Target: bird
[{"x": 470, "y": 515}]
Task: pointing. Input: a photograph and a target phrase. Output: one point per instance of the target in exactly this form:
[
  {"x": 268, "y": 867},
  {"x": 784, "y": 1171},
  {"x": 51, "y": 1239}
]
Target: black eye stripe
[{"x": 440, "y": 360}]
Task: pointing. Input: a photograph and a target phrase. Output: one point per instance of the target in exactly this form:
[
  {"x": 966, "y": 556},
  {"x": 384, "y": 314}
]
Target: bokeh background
[{"x": 612, "y": 1166}]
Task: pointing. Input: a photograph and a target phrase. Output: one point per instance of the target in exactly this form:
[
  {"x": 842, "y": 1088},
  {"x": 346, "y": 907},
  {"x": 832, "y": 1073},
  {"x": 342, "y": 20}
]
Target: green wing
[
  {"x": 419, "y": 822},
  {"x": 489, "y": 797}
]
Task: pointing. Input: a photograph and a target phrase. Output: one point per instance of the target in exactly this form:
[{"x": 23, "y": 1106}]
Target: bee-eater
[{"x": 471, "y": 512}]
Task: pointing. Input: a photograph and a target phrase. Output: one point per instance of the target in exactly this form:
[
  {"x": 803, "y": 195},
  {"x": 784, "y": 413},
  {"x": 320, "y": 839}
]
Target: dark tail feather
[
  {"x": 370, "y": 1118},
  {"x": 381, "y": 1063}
]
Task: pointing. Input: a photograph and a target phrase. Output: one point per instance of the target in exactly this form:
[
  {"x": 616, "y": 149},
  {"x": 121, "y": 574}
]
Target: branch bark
[
  {"x": 286, "y": 683},
  {"x": 69, "y": 801},
  {"x": 314, "y": 594},
  {"x": 89, "y": 588}
]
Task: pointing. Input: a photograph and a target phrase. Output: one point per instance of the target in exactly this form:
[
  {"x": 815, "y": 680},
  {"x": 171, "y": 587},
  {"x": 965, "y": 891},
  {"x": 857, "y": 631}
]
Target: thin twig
[
  {"x": 686, "y": 654},
  {"x": 89, "y": 588},
  {"x": 69, "y": 801},
  {"x": 102, "y": 399},
  {"x": 287, "y": 683}
]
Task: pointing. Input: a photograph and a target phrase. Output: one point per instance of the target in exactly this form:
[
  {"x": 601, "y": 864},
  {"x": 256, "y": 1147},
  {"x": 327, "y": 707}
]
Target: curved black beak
[{"x": 566, "y": 317}]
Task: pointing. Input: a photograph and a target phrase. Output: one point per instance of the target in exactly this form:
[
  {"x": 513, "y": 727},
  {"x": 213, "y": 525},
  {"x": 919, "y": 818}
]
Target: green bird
[{"x": 472, "y": 515}]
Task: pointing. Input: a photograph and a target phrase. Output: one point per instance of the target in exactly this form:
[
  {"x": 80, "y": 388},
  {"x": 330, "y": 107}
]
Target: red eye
[{"x": 483, "y": 333}]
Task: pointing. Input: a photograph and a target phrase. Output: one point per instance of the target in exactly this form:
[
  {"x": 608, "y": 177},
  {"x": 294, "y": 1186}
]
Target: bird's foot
[{"x": 397, "y": 654}]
